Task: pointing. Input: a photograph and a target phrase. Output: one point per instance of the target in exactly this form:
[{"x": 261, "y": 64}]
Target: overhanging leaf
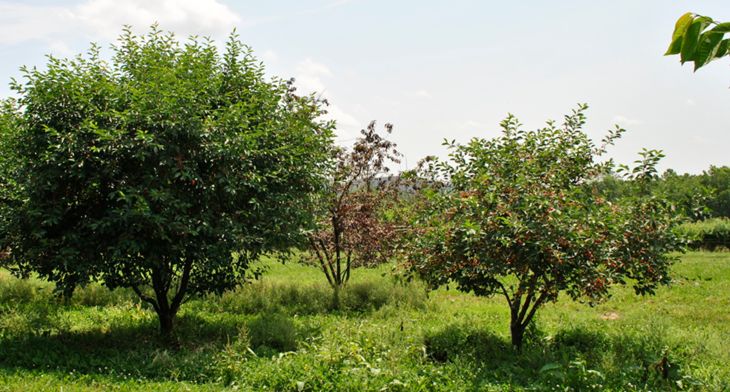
[
  {"x": 707, "y": 49},
  {"x": 690, "y": 40},
  {"x": 721, "y": 28},
  {"x": 680, "y": 29}
]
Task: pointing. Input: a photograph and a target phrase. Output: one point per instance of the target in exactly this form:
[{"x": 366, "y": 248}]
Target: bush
[
  {"x": 710, "y": 234},
  {"x": 273, "y": 332},
  {"x": 97, "y": 295},
  {"x": 456, "y": 341},
  {"x": 301, "y": 299},
  {"x": 15, "y": 290}
]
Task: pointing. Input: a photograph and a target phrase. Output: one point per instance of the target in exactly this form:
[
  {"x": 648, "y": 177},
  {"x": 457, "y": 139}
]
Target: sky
[{"x": 436, "y": 69}]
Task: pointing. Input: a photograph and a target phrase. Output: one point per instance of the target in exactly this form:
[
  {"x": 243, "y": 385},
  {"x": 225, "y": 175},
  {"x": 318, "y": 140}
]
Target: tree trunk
[
  {"x": 518, "y": 333},
  {"x": 336, "y": 297},
  {"x": 167, "y": 320}
]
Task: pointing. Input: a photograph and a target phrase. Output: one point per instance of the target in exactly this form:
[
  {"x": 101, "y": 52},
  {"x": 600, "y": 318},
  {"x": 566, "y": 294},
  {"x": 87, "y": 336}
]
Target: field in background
[{"x": 281, "y": 333}]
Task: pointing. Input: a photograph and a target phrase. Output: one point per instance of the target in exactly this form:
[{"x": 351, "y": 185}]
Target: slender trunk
[
  {"x": 338, "y": 259},
  {"x": 167, "y": 320},
  {"x": 517, "y": 330},
  {"x": 336, "y": 297},
  {"x": 522, "y": 314},
  {"x": 349, "y": 266}
]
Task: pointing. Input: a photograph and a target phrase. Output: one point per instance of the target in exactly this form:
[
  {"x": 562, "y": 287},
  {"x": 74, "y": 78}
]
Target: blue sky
[{"x": 440, "y": 69}]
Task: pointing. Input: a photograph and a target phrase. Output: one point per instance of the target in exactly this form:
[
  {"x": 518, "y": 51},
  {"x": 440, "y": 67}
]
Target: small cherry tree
[
  {"x": 519, "y": 216},
  {"x": 353, "y": 230}
]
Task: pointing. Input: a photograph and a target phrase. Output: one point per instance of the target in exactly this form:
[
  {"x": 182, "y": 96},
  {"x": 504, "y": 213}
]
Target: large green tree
[
  {"x": 520, "y": 216},
  {"x": 166, "y": 169}
]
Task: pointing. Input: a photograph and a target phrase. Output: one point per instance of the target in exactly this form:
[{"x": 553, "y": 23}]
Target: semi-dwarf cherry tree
[
  {"x": 166, "y": 169},
  {"x": 353, "y": 228},
  {"x": 518, "y": 216}
]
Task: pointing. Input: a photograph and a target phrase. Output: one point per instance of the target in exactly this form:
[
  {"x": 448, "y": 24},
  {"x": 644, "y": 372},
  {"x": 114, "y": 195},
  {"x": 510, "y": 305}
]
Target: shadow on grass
[
  {"x": 136, "y": 351},
  {"x": 572, "y": 359}
]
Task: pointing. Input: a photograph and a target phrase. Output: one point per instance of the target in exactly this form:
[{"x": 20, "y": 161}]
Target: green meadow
[{"x": 282, "y": 333}]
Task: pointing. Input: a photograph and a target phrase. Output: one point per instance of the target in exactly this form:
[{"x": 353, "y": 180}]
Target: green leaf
[
  {"x": 691, "y": 38},
  {"x": 675, "y": 47},
  {"x": 549, "y": 367},
  {"x": 721, "y": 28},
  {"x": 707, "y": 50},
  {"x": 680, "y": 28},
  {"x": 722, "y": 49}
]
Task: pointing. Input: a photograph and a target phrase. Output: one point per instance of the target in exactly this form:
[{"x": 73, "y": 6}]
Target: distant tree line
[{"x": 695, "y": 196}]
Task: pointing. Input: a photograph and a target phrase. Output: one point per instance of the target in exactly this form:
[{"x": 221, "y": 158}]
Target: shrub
[
  {"x": 710, "y": 234},
  {"x": 273, "y": 332},
  {"x": 298, "y": 299}
]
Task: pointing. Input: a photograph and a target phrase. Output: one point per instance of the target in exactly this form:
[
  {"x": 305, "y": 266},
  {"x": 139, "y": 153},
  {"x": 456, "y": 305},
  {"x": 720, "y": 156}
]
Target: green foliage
[
  {"x": 699, "y": 39},
  {"x": 518, "y": 216},
  {"x": 166, "y": 170},
  {"x": 8, "y": 163},
  {"x": 695, "y": 197},
  {"x": 710, "y": 234},
  {"x": 273, "y": 332},
  {"x": 311, "y": 299},
  {"x": 718, "y": 180}
]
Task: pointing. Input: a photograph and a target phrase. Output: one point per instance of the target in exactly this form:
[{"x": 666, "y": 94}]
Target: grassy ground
[{"x": 281, "y": 334}]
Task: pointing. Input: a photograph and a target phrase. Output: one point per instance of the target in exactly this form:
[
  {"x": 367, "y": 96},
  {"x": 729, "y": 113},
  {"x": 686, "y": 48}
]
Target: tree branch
[
  {"x": 530, "y": 295},
  {"x": 146, "y": 298},
  {"x": 322, "y": 262},
  {"x": 504, "y": 291},
  {"x": 184, "y": 281},
  {"x": 537, "y": 304}
]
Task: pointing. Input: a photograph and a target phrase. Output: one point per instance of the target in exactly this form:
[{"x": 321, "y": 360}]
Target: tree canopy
[
  {"x": 166, "y": 169},
  {"x": 519, "y": 216}
]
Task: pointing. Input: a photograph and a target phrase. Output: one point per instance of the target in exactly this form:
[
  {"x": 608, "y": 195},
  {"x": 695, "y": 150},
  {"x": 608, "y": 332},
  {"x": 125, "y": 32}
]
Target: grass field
[{"x": 280, "y": 333}]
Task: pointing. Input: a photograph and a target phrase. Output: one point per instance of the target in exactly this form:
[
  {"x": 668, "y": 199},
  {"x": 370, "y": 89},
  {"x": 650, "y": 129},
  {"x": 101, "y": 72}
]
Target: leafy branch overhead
[{"x": 699, "y": 39}]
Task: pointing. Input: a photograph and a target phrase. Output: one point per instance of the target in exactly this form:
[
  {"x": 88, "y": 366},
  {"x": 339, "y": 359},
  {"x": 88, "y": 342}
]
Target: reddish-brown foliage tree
[{"x": 353, "y": 229}]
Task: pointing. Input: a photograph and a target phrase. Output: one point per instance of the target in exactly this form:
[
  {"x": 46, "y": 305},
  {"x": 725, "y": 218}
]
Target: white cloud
[
  {"x": 422, "y": 93},
  {"x": 690, "y": 102},
  {"x": 103, "y": 19},
  {"x": 309, "y": 74},
  {"x": 20, "y": 22},
  {"x": 471, "y": 124},
  {"x": 202, "y": 17},
  {"x": 60, "y": 49},
  {"x": 348, "y": 127},
  {"x": 310, "y": 78},
  {"x": 623, "y": 120},
  {"x": 337, "y": 3},
  {"x": 269, "y": 57}
]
